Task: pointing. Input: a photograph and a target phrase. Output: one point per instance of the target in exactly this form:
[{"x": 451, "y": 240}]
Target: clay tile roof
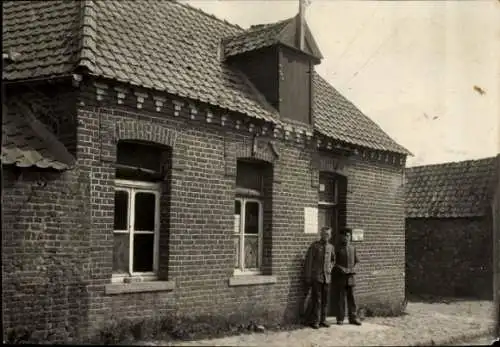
[
  {"x": 338, "y": 118},
  {"x": 26, "y": 142},
  {"x": 43, "y": 35},
  {"x": 451, "y": 190},
  {"x": 165, "y": 46},
  {"x": 258, "y": 36}
]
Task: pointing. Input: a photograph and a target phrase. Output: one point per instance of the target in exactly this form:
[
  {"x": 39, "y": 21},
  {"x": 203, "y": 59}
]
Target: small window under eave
[{"x": 136, "y": 160}]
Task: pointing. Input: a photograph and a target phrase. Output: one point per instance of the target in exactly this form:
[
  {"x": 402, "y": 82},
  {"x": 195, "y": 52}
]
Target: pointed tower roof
[{"x": 265, "y": 35}]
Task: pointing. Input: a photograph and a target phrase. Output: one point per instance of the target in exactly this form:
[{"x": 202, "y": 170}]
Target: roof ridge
[
  {"x": 457, "y": 162},
  {"x": 257, "y": 29},
  {"x": 88, "y": 33},
  {"x": 191, "y": 7}
]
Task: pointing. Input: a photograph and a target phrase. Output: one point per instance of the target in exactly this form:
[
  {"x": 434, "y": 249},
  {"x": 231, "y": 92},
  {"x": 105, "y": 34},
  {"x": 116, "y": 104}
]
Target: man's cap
[
  {"x": 346, "y": 231},
  {"x": 325, "y": 228}
]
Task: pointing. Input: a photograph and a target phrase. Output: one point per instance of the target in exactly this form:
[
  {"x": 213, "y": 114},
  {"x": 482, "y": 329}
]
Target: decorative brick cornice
[
  {"x": 121, "y": 93},
  {"x": 159, "y": 102},
  {"x": 140, "y": 99},
  {"x": 101, "y": 90},
  {"x": 291, "y": 133}
]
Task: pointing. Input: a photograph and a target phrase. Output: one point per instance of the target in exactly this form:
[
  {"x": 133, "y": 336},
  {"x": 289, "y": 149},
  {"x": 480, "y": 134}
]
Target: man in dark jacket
[
  {"x": 343, "y": 278},
  {"x": 318, "y": 266}
]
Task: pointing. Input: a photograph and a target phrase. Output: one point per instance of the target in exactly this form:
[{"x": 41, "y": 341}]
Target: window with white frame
[
  {"x": 328, "y": 202},
  {"x": 136, "y": 229},
  {"x": 249, "y": 216},
  {"x": 248, "y": 221},
  {"x": 140, "y": 171}
]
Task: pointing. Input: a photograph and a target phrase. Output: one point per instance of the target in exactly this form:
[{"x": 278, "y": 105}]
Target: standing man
[
  {"x": 319, "y": 263},
  {"x": 346, "y": 259}
]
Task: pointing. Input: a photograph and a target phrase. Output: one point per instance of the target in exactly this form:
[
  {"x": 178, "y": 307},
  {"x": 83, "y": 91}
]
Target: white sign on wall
[
  {"x": 357, "y": 235},
  {"x": 310, "y": 220}
]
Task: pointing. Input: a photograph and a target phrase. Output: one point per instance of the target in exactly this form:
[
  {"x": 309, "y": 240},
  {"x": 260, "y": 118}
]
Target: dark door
[{"x": 332, "y": 213}]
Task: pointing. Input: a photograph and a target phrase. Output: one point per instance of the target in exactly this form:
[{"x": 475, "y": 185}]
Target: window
[
  {"x": 141, "y": 172},
  {"x": 328, "y": 202},
  {"x": 136, "y": 229},
  {"x": 253, "y": 191},
  {"x": 248, "y": 221}
]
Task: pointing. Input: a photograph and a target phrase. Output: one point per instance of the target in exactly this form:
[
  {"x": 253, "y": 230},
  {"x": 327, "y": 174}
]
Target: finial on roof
[{"x": 302, "y": 21}]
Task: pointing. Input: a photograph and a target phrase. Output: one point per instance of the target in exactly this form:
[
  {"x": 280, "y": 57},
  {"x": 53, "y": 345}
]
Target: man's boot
[{"x": 354, "y": 321}]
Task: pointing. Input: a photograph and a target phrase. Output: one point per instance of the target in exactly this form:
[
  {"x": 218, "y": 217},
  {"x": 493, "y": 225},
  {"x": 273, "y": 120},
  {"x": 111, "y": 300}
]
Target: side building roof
[{"x": 451, "y": 190}]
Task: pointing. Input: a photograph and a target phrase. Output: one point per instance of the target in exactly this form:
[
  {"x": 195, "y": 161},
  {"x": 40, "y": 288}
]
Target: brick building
[
  {"x": 449, "y": 238},
  {"x": 159, "y": 161}
]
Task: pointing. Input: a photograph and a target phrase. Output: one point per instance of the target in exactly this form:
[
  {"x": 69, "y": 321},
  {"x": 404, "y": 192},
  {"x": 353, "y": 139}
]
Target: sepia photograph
[{"x": 251, "y": 172}]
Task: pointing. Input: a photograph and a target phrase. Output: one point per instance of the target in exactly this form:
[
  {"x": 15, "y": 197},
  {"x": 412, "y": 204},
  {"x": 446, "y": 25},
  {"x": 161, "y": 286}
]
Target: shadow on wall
[
  {"x": 297, "y": 309},
  {"x": 45, "y": 238}
]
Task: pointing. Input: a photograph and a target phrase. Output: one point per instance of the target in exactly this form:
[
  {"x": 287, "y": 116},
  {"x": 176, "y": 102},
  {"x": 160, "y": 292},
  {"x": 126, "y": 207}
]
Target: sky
[{"x": 411, "y": 66}]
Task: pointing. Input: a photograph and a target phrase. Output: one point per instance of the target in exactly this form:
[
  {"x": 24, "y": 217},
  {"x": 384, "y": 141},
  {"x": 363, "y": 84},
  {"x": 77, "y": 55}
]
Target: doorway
[{"x": 332, "y": 213}]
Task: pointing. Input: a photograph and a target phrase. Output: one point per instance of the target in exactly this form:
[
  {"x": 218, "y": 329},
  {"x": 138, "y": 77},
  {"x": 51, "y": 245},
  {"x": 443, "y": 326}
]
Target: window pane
[
  {"x": 143, "y": 252},
  {"x": 140, "y": 155},
  {"x": 249, "y": 175},
  {"x": 252, "y": 218},
  {"x": 121, "y": 210},
  {"x": 121, "y": 253},
  {"x": 237, "y": 217},
  {"x": 328, "y": 182},
  {"x": 236, "y": 240},
  {"x": 251, "y": 251},
  {"x": 145, "y": 205},
  {"x": 325, "y": 217}
]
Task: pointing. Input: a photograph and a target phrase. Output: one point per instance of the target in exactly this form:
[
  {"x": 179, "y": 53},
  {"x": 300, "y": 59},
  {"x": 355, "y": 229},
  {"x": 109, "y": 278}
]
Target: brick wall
[
  {"x": 375, "y": 204},
  {"x": 197, "y": 251},
  {"x": 200, "y": 255},
  {"x": 449, "y": 257},
  {"x": 45, "y": 263}
]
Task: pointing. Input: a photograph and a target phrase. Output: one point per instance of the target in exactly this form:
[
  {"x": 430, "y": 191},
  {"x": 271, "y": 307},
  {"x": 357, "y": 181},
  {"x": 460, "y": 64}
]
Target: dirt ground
[{"x": 423, "y": 324}]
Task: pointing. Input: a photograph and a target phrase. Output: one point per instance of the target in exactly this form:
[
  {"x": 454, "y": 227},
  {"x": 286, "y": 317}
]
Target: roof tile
[
  {"x": 22, "y": 146},
  {"x": 167, "y": 46},
  {"x": 459, "y": 189}
]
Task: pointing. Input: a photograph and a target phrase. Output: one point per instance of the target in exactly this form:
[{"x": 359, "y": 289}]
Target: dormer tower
[{"x": 279, "y": 60}]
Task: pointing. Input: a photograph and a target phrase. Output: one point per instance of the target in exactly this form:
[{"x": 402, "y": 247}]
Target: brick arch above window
[
  {"x": 255, "y": 148},
  {"x": 137, "y": 130},
  {"x": 144, "y": 131},
  {"x": 325, "y": 163}
]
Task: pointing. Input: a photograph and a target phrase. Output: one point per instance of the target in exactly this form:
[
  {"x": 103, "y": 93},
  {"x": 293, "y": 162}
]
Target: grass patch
[{"x": 171, "y": 328}]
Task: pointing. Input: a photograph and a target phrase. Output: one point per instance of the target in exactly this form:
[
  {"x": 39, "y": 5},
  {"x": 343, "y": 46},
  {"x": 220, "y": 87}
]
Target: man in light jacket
[{"x": 318, "y": 266}]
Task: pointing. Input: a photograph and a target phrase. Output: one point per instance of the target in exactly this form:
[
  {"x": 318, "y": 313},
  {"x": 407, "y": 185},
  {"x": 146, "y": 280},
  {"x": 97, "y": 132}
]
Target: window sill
[
  {"x": 139, "y": 287},
  {"x": 250, "y": 280}
]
